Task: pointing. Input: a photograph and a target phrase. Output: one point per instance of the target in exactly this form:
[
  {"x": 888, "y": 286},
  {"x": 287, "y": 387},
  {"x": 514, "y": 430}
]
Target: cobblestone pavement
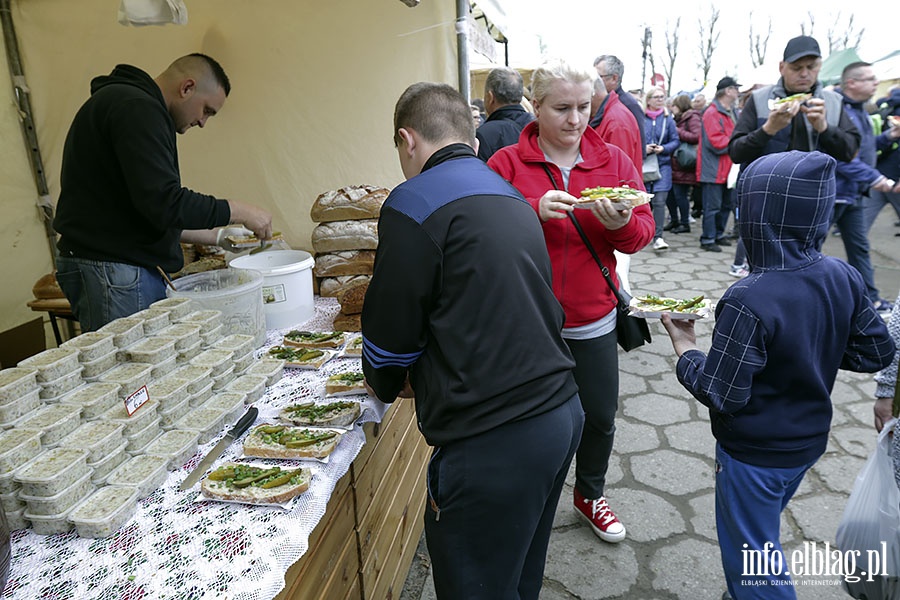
[{"x": 660, "y": 481}]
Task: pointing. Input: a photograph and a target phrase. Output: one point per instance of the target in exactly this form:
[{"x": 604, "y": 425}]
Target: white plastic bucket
[
  {"x": 287, "y": 290},
  {"x": 235, "y": 292}
]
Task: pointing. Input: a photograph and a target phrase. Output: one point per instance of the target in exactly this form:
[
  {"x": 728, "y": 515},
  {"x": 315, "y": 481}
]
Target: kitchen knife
[{"x": 239, "y": 428}]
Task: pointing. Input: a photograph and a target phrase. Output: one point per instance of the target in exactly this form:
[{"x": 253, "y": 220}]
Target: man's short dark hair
[
  {"x": 505, "y": 84},
  {"x": 435, "y": 111},
  {"x": 217, "y": 71},
  {"x": 853, "y": 69}
]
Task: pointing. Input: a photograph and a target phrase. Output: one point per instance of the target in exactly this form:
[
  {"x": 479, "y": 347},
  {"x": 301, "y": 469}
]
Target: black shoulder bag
[{"x": 631, "y": 332}]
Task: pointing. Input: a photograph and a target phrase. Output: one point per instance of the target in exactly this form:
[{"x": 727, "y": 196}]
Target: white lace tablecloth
[{"x": 180, "y": 549}]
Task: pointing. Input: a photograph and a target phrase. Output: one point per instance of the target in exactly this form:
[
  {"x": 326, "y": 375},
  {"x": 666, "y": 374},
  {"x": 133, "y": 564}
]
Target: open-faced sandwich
[
  {"x": 283, "y": 441},
  {"x": 333, "y": 414},
  {"x": 780, "y": 103},
  {"x": 354, "y": 346},
  {"x": 255, "y": 484},
  {"x": 309, "y": 339},
  {"x": 651, "y": 306},
  {"x": 303, "y": 358},
  {"x": 346, "y": 383},
  {"x": 242, "y": 242},
  {"x": 622, "y": 198}
]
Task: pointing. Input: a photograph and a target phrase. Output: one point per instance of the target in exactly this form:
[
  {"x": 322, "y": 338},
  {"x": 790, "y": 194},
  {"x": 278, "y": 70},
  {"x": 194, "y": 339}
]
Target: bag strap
[
  {"x": 619, "y": 299},
  {"x": 895, "y": 409}
]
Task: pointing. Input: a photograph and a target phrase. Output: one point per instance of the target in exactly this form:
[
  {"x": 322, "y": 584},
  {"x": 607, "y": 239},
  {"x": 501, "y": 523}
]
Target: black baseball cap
[
  {"x": 727, "y": 82},
  {"x": 801, "y": 46}
]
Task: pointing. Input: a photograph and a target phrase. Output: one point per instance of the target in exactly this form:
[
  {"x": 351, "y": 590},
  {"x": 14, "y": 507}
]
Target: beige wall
[{"x": 314, "y": 85}]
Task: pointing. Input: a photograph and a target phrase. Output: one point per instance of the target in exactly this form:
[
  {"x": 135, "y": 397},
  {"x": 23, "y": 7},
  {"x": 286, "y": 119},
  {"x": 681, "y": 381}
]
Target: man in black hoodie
[
  {"x": 122, "y": 210},
  {"x": 503, "y": 91}
]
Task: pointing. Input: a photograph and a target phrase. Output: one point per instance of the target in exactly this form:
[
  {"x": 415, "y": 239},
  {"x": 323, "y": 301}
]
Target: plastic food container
[
  {"x": 99, "y": 438},
  {"x": 176, "y": 446},
  {"x": 55, "y": 420},
  {"x": 243, "y": 363},
  {"x": 240, "y": 344},
  {"x": 61, "y": 502},
  {"x": 126, "y": 331},
  {"x": 205, "y": 421},
  {"x": 138, "y": 441},
  {"x": 52, "y": 471},
  {"x": 146, "y": 473},
  {"x": 104, "y": 467},
  {"x": 254, "y": 386},
  {"x": 271, "y": 368},
  {"x": 49, "y": 524},
  {"x": 95, "y": 368},
  {"x": 168, "y": 417},
  {"x": 207, "y": 319},
  {"x": 92, "y": 345},
  {"x": 137, "y": 421},
  {"x": 230, "y": 403},
  {"x": 186, "y": 335},
  {"x": 287, "y": 285},
  {"x": 61, "y": 385},
  {"x": 214, "y": 359},
  {"x": 197, "y": 377},
  {"x": 25, "y": 404},
  {"x": 17, "y": 520},
  {"x": 94, "y": 399},
  {"x": 8, "y": 484},
  {"x": 178, "y": 307},
  {"x": 152, "y": 350},
  {"x": 53, "y": 363},
  {"x": 220, "y": 382},
  {"x": 164, "y": 368},
  {"x": 11, "y": 502},
  {"x": 18, "y": 446},
  {"x": 16, "y": 381},
  {"x": 203, "y": 395},
  {"x": 105, "y": 511},
  {"x": 208, "y": 339},
  {"x": 130, "y": 376},
  {"x": 185, "y": 356},
  {"x": 169, "y": 391},
  {"x": 154, "y": 319}
]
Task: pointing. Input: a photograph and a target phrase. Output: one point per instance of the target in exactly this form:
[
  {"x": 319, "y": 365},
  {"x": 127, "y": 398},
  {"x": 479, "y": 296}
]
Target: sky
[{"x": 579, "y": 30}]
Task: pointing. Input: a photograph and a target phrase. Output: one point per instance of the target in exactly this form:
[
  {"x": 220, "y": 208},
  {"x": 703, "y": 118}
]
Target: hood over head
[
  {"x": 127, "y": 75},
  {"x": 786, "y": 201}
]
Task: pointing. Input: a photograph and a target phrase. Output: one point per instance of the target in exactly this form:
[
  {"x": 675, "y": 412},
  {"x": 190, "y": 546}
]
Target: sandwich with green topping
[
  {"x": 346, "y": 383},
  {"x": 310, "y": 414},
  {"x": 255, "y": 484},
  {"x": 283, "y": 441},
  {"x": 311, "y": 339}
]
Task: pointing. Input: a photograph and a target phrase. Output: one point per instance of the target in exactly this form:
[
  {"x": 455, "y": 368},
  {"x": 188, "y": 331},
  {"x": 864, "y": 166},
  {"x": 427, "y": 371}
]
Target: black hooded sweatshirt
[{"x": 121, "y": 198}]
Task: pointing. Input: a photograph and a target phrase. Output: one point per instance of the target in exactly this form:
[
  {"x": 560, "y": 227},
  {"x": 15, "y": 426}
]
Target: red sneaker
[{"x": 600, "y": 517}]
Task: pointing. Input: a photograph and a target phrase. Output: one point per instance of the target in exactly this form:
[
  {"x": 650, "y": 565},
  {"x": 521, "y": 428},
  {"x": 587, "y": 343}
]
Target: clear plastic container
[
  {"x": 240, "y": 344},
  {"x": 104, "y": 467},
  {"x": 126, "y": 331},
  {"x": 137, "y": 421},
  {"x": 152, "y": 350},
  {"x": 178, "y": 307},
  {"x": 92, "y": 345},
  {"x": 203, "y": 395},
  {"x": 198, "y": 377},
  {"x": 254, "y": 386},
  {"x": 11, "y": 502},
  {"x": 162, "y": 369},
  {"x": 145, "y": 472},
  {"x": 15, "y": 410},
  {"x": 154, "y": 319},
  {"x": 102, "y": 513},
  {"x": 16, "y": 381},
  {"x": 243, "y": 363},
  {"x": 176, "y": 446},
  {"x": 94, "y": 399},
  {"x": 208, "y": 339},
  {"x": 216, "y": 360},
  {"x": 138, "y": 441},
  {"x": 130, "y": 376},
  {"x": 99, "y": 438},
  {"x": 61, "y": 502},
  {"x": 185, "y": 356},
  {"x": 231, "y": 403},
  {"x": 49, "y": 524},
  {"x": 53, "y": 363},
  {"x": 61, "y": 385},
  {"x": 205, "y": 421},
  {"x": 55, "y": 420},
  {"x": 221, "y": 381},
  {"x": 169, "y": 391},
  {"x": 168, "y": 417},
  {"x": 186, "y": 335},
  {"x": 207, "y": 319},
  {"x": 95, "y": 368},
  {"x": 52, "y": 471},
  {"x": 17, "y": 447},
  {"x": 17, "y": 520},
  {"x": 8, "y": 484},
  {"x": 271, "y": 368}
]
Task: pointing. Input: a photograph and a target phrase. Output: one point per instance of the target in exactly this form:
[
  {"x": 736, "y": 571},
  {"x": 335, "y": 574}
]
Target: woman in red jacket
[{"x": 556, "y": 157}]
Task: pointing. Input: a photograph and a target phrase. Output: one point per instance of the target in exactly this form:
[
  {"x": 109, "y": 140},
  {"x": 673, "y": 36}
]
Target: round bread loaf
[
  {"x": 349, "y": 202},
  {"x": 345, "y": 235},
  {"x": 350, "y": 262},
  {"x": 331, "y": 287}
]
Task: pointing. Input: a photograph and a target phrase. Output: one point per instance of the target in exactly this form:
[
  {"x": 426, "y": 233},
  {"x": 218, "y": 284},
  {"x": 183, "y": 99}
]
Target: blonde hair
[
  {"x": 650, "y": 91},
  {"x": 547, "y": 74}
]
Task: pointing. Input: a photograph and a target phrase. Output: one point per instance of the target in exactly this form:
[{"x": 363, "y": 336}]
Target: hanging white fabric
[{"x": 152, "y": 12}]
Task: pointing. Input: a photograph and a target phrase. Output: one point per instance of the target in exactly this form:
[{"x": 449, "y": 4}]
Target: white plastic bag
[{"x": 871, "y": 525}]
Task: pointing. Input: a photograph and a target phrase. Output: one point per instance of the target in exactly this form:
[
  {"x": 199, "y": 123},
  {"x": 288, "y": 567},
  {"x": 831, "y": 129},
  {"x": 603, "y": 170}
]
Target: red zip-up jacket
[
  {"x": 713, "y": 162},
  {"x": 577, "y": 281}
]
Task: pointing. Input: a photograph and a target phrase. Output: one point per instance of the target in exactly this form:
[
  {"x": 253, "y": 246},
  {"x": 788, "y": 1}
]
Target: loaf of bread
[
  {"x": 345, "y": 235},
  {"x": 350, "y": 202},
  {"x": 345, "y": 322},
  {"x": 330, "y": 287},
  {"x": 351, "y": 299},
  {"x": 267, "y": 485},
  {"x": 47, "y": 287},
  {"x": 351, "y": 262}
]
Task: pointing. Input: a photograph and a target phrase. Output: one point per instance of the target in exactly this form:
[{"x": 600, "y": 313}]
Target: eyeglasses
[
  {"x": 657, "y": 97},
  {"x": 607, "y": 75}
]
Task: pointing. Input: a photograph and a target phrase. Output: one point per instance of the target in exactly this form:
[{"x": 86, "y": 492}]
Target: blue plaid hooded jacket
[{"x": 782, "y": 333}]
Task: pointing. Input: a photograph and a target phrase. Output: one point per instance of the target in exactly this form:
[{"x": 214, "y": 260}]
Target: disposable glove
[{"x": 234, "y": 231}]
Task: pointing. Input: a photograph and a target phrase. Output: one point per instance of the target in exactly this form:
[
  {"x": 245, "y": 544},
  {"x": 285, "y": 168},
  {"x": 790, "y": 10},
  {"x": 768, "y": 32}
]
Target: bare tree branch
[
  {"x": 759, "y": 44},
  {"x": 812, "y": 24},
  {"x": 709, "y": 41},
  {"x": 671, "y": 51}
]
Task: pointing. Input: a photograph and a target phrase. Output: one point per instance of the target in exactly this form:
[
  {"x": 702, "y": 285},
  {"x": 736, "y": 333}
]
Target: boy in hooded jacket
[{"x": 780, "y": 336}]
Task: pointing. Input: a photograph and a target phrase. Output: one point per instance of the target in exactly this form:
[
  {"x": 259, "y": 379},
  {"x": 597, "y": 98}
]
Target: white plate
[{"x": 635, "y": 311}]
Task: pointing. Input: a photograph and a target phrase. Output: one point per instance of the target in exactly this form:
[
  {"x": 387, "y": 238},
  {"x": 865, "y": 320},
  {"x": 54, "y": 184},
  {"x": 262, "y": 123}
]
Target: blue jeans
[
  {"x": 713, "y": 222},
  {"x": 873, "y": 204},
  {"x": 849, "y": 221},
  {"x": 100, "y": 292},
  {"x": 680, "y": 204},
  {"x": 658, "y": 206},
  {"x": 749, "y": 503}
]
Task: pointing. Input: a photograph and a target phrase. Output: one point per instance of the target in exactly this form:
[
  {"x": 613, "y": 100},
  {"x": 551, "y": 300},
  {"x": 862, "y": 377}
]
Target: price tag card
[{"x": 136, "y": 400}]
